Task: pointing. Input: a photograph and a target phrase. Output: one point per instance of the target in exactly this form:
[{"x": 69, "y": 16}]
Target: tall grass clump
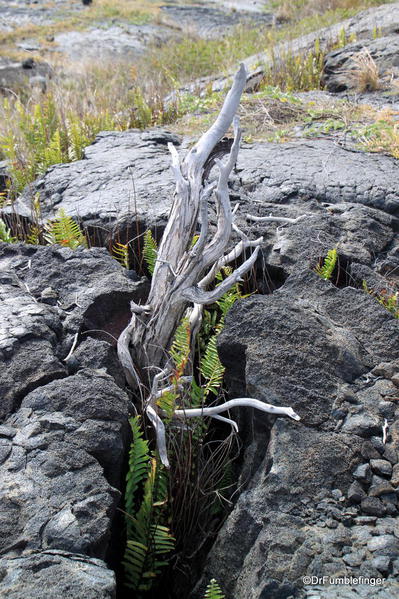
[{"x": 42, "y": 129}]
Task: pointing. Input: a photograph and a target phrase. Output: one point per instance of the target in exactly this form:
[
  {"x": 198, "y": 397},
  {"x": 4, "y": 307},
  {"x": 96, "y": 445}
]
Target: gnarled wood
[{"x": 183, "y": 273}]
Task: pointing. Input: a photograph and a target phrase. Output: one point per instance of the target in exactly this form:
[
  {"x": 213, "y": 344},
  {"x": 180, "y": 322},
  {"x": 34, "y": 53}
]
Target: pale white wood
[{"x": 182, "y": 274}]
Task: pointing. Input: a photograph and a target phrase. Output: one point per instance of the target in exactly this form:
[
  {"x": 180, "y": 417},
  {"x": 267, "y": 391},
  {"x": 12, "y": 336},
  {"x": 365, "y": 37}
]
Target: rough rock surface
[
  {"x": 117, "y": 41},
  {"x": 322, "y": 500},
  {"x": 213, "y": 23},
  {"x": 124, "y": 176},
  {"x": 15, "y": 74},
  {"x": 20, "y": 13},
  {"x": 64, "y": 574},
  {"x": 318, "y": 169},
  {"x": 384, "y": 19},
  {"x": 115, "y": 185},
  {"x": 64, "y": 422},
  {"x": 340, "y": 70}
]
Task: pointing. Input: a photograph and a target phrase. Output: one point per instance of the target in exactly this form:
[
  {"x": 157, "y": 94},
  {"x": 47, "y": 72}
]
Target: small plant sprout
[{"x": 327, "y": 266}]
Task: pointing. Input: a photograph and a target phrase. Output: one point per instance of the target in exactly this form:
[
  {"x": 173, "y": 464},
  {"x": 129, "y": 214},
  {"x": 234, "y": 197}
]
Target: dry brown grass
[
  {"x": 289, "y": 10},
  {"x": 364, "y": 74}
]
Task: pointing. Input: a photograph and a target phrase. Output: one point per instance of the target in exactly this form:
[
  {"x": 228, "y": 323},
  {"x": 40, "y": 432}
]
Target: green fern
[
  {"x": 5, "y": 233},
  {"x": 167, "y": 403},
  {"x": 150, "y": 251},
  {"x": 390, "y": 301},
  {"x": 148, "y": 541},
  {"x": 326, "y": 269},
  {"x": 65, "y": 231},
  {"x": 120, "y": 252},
  {"x": 33, "y": 236},
  {"x": 139, "y": 458},
  {"x": 180, "y": 348},
  {"x": 36, "y": 136},
  {"x": 213, "y": 591},
  {"x": 211, "y": 368}
]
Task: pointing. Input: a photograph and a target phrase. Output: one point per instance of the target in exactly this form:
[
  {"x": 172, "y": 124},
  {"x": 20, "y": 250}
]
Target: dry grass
[
  {"x": 119, "y": 95},
  {"x": 290, "y": 10},
  {"x": 364, "y": 74},
  {"x": 383, "y": 134}
]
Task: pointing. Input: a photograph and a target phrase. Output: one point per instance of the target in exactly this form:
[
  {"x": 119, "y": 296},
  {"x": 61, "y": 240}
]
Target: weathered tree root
[{"x": 183, "y": 273}]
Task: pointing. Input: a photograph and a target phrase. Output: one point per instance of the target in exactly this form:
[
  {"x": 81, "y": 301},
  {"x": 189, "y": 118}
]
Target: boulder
[
  {"x": 64, "y": 430},
  {"x": 16, "y": 74},
  {"x": 59, "y": 481},
  {"x": 340, "y": 72},
  {"x": 301, "y": 347},
  {"x": 123, "y": 183},
  {"x": 92, "y": 292}
]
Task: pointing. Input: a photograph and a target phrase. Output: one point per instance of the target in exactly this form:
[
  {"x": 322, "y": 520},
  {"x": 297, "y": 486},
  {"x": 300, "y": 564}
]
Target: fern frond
[
  {"x": 167, "y": 403},
  {"x": 231, "y": 296},
  {"x": 150, "y": 251},
  {"x": 211, "y": 367},
  {"x": 139, "y": 457},
  {"x": 180, "y": 349},
  {"x": 213, "y": 591},
  {"x": 65, "y": 231},
  {"x": 5, "y": 233},
  {"x": 33, "y": 237},
  {"x": 120, "y": 252},
  {"x": 147, "y": 539},
  {"x": 326, "y": 270}
]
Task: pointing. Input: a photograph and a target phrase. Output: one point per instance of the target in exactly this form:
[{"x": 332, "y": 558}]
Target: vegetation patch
[
  {"x": 382, "y": 135},
  {"x": 40, "y": 129}
]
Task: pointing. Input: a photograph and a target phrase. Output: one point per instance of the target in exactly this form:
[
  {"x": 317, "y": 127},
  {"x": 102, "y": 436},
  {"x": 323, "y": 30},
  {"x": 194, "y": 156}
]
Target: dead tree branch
[{"x": 183, "y": 274}]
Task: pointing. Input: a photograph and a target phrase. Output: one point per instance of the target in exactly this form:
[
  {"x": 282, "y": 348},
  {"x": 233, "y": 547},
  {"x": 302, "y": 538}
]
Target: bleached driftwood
[
  {"x": 183, "y": 274},
  {"x": 275, "y": 219}
]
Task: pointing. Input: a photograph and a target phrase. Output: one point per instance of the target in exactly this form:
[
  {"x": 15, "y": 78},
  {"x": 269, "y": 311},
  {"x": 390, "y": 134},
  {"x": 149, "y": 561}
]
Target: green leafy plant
[
  {"x": 34, "y": 137},
  {"x": 120, "y": 252},
  {"x": 5, "y": 233},
  {"x": 150, "y": 250},
  {"x": 382, "y": 135},
  {"x": 386, "y": 298},
  {"x": 211, "y": 368},
  {"x": 149, "y": 542},
  {"x": 65, "y": 231},
  {"x": 180, "y": 348},
  {"x": 213, "y": 591},
  {"x": 326, "y": 268}
]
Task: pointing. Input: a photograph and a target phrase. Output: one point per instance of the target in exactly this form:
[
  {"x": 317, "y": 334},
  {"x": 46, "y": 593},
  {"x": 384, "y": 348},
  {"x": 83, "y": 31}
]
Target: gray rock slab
[
  {"x": 59, "y": 484},
  {"x": 339, "y": 67},
  {"x": 125, "y": 180},
  {"x": 318, "y": 169},
  {"x": 93, "y": 292},
  {"x": 297, "y": 347},
  {"x": 63, "y": 441},
  {"x": 111, "y": 41},
  {"x": 123, "y": 175},
  {"x": 56, "y": 574},
  {"x": 213, "y": 22}
]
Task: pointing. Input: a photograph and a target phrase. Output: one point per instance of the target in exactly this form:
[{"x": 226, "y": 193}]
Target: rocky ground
[{"x": 319, "y": 497}]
